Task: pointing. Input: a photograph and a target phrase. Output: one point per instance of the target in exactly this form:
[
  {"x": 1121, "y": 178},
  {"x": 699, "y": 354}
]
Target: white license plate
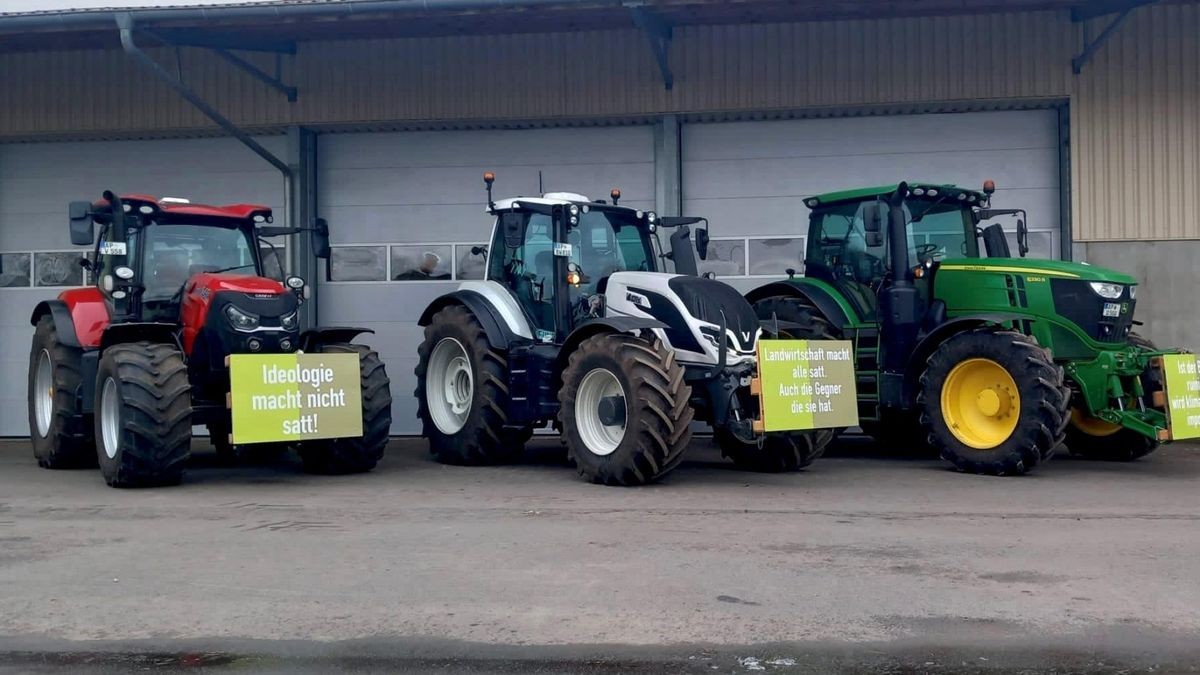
[{"x": 1112, "y": 309}]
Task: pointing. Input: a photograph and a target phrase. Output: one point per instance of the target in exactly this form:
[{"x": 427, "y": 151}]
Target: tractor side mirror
[
  {"x": 83, "y": 229},
  {"x": 873, "y": 223},
  {"x": 512, "y": 224},
  {"x": 1022, "y": 238},
  {"x": 320, "y": 238},
  {"x": 702, "y": 243}
]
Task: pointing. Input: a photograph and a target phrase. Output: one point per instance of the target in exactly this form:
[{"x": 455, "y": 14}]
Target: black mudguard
[
  {"x": 944, "y": 331},
  {"x": 63, "y": 322},
  {"x": 312, "y": 340},
  {"x": 829, "y": 307},
  {"x": 499, "y": 335},
  {"x": 140, "y": 331},
  {"x": 608, "y": 324}
]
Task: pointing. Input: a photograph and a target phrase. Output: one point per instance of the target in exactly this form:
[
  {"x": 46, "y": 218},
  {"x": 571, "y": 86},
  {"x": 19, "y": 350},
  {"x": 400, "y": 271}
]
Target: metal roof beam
[
  {"x": 125, "y": 24},
  {"x": 660, "y": 34},
  {"x": 184, "y": 37},
  {"x": 1090, "y": 49},
  {"x": 1098, "y": 8}
]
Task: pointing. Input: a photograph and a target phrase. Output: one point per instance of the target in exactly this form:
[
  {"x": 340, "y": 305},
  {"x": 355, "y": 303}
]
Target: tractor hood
[
  {"x": 1038, "y": 267},
  {"x": 238, "y": 283}
]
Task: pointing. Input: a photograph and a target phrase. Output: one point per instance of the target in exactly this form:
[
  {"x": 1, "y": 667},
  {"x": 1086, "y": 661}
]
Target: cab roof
[
  {"x": 175, "y": 208},
  {"x": 556, "y": 199},
  {"x": 861, "y": 194}
]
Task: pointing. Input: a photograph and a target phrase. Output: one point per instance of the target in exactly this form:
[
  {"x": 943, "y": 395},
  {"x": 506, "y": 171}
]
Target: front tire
[
  {"x": 61, "y": 436},
  {"x": 993, "y": 402},
  {"x": 780, "y": 452},
  {"x": 1095, "y": 439},
  {"x": 338, "y": 456},
  {"x": 143, "y": 419},
  {"x": 462, "y": 393},
  {"x": 624, "y": 410}
]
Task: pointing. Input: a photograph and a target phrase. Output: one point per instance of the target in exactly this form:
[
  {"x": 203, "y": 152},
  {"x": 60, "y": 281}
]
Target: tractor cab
[{"x": 557, "y": 253}]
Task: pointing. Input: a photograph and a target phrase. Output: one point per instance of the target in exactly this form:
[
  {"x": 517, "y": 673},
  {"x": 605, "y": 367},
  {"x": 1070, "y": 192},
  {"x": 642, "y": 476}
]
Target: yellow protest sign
[
  {"x": 294, "y": 397},
  {"x": 1182, "y": 374},
  {"x": 807, "y": 384}
]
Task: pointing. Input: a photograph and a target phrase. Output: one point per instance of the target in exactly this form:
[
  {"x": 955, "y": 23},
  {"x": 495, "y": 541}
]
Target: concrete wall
[{"x": 1167, "y": 297}]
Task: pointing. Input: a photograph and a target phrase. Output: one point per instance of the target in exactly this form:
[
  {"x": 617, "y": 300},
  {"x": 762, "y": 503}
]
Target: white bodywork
[
  {"x": 625, "y": 295},
  {"x": 503, "y": 302}
]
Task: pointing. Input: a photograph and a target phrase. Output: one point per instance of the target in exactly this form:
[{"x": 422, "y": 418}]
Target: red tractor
[{"x": 121, "y": 371}]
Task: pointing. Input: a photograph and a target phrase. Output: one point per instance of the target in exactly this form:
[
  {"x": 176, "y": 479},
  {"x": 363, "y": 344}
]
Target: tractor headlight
[
  {"x": 288, "y": 321},
  {"x": 1133, "y": 292},
  {"x": 1106, "y": 290},
  {"x": 243, "y": 321}
]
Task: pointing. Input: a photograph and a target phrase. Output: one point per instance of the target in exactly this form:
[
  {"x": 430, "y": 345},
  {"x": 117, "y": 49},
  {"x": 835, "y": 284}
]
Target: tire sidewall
[
  {"x": 109, "y": 467},
  {"x": 624, "y": 455},
  {"x": 474, "y": 421},
  {"x": 985, "y": 345}
]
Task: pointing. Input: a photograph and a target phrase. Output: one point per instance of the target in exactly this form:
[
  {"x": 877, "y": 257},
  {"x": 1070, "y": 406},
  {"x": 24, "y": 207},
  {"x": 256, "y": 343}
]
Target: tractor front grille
[{"x": 1076, "y": 302}]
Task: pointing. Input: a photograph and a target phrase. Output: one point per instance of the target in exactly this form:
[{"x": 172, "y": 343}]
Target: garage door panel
[
  {"x": 850, "y": 136},
  {"x": 805, "y": 176},
  {"x": 494, "y": 149},
  {"x": 426, "y": 188},
  {"x": 750, "y": 178}
]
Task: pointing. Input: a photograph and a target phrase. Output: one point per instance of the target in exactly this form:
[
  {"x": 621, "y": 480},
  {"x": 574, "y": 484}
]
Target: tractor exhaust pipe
[{"x": 898, "y": 237}]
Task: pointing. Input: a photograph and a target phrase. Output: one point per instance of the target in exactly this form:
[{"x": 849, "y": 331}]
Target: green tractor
[{"x": 991, "y": 361}]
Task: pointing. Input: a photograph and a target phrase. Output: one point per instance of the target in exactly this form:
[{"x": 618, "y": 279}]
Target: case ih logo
[{"x": 264, "y": 296}]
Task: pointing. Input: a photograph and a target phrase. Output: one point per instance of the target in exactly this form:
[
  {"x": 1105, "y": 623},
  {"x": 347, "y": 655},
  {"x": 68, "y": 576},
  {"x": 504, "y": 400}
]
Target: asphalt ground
[{"x": 866, "y": 562}]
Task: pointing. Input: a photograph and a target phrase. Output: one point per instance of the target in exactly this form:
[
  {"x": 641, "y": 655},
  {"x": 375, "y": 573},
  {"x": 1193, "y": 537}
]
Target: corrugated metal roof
[{"x": 20, "y": 7}]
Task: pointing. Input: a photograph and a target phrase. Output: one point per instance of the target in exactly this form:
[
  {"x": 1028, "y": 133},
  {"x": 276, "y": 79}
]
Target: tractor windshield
[{"x": 171, "y": 254}]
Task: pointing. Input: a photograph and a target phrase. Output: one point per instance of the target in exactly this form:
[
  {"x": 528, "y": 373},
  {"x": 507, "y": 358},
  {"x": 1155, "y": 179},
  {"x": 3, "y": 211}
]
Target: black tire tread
[
  {"x": 487, "y": 437},
  {"x": 338, "y": 456},
  {"x": 69, "y": 442},
  {"x": 156, "y": 421},
  {"x": 660, "y": 422},
  {"x": 1044, "y": 402}
]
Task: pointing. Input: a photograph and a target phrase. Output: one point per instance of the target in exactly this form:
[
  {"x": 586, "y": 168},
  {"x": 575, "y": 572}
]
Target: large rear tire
[
  {"x": 780, "y": 452},
  {"x": 462, "y": 393},
  {"x": 624, "y": 409},
  {"x": 993, "y": 402},
  {"x": 337, "y": 456},
  {"x": 143, "y": 419},
  {"x": 1091, "y": 438},
  {"x": 62, "y": 438}
]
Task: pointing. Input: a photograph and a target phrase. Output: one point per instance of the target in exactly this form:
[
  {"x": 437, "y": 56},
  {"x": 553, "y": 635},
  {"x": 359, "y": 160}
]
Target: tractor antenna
[
  {"x": 488, "y": 179},
  {"x": 541, "y": 190}
]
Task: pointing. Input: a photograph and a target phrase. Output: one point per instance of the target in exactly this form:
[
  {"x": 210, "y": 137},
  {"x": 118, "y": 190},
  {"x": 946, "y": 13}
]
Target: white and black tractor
[{"x": 576, "y": 324}]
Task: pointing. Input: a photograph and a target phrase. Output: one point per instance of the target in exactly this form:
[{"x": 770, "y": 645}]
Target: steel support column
[
  {"x": 668, "y": 174},
  {"x": 301, "y": 191}
]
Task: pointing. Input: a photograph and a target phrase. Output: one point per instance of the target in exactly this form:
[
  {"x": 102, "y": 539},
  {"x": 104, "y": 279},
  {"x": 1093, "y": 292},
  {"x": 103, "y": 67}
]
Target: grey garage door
[
  {"x": 37, "y": 181},
  {"x": 397, "y": 200},
  {"x": 750, "y": 178}
]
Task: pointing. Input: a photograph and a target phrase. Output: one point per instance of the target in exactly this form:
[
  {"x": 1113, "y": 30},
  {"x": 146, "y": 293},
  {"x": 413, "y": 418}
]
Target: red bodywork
[
  {"x": 89, "y": 313},
  {"x": 198, "y": 295}
]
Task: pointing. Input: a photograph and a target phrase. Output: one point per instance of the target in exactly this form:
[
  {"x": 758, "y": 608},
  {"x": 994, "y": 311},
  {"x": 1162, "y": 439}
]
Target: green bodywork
[{"x": 1013, "y": 293}]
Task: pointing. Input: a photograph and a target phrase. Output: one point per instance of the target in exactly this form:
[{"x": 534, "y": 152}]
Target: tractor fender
[
  {"x": 608, "y": 324},
  {"x": 312, "y": 340},
  {"x": 63, "y": 323},
  {"x": 140, "y": 331},
  {"x": 945, "y": 331},
  {"x": 817, "y": 296},
  {"x": 498, "y": 328}
]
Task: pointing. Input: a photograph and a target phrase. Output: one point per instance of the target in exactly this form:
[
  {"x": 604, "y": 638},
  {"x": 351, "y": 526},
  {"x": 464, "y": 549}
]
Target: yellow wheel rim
[
  {"x": 980, "y": 403},
  {"x": 1092, "y": 426}
]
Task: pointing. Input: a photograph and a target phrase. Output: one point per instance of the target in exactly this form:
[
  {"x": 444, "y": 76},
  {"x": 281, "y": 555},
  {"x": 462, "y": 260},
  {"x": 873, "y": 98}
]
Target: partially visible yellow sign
[
  {"x": 295, "y": 397},
  {"x": 1182, "y": 373},
  {"x": 807, "y": 384}
]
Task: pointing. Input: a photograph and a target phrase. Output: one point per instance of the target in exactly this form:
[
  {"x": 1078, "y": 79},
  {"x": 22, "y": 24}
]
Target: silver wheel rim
[
  {"x": 110, "y": 418},
  {"x": 449, "y": 386},
  {"x": 43, "y": 398},
  {"x": 599, "y": 438}
]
